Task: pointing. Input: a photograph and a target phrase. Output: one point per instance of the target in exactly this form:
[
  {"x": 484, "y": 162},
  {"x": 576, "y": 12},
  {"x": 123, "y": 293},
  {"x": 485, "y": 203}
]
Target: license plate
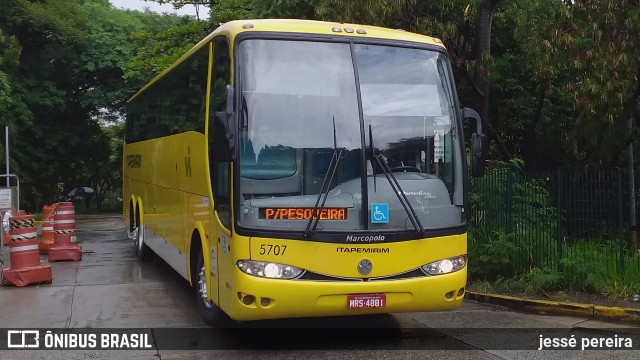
[{"x": 366, "y": 301}]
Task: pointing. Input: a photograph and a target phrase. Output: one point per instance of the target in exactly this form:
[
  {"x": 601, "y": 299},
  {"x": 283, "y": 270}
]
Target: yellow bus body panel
[{"x": 169, "y": 180}]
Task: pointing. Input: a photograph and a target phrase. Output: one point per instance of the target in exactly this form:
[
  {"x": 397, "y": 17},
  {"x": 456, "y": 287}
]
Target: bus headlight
[
  {"x": 445, "y": 266},
  {"x": 269, "y": 269}
]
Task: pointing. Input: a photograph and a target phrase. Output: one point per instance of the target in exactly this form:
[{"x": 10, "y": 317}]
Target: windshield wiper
[
  {"x": 324, "y": 189},
  {"x": 395, "y": 186}
]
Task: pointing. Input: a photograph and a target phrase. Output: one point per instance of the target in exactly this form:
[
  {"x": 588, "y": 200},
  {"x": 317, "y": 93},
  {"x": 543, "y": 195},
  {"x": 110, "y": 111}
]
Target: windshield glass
[
  {"x": 408, "y": 105},
  {"x": 299, "y": 108}
]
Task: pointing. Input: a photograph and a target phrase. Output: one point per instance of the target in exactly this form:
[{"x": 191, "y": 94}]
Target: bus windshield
[{"x": 303, "y": 102}]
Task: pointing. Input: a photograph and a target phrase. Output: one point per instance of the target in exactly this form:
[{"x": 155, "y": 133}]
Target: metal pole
[
  {"x": 633, "y": 241},
  {"x": 6, "y": 150},
  {"x": 509, "y": 201},
  {"x": 620, "y": 223},
  {"x": 559, "y": 210}
]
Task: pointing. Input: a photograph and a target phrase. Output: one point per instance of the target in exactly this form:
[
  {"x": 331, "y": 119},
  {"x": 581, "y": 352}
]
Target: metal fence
[{"x": 573, "y": 221}]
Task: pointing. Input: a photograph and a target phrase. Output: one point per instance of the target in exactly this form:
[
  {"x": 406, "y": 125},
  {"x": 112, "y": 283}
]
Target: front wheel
[{"x": 209, "y": 311}]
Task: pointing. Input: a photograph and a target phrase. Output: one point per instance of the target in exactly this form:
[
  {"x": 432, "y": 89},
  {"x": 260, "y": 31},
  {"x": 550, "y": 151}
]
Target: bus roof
[
  {"x": 296, "y": 26},
  {"x": 321, "y": 28}
]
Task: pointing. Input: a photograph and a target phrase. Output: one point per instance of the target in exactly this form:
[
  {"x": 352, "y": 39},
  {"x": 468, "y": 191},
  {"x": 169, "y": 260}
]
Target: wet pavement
[
  {"x": 107, "y": 288},
  {"x": 110, "y": 289}
]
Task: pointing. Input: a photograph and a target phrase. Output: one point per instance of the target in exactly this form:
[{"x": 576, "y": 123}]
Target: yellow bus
[{"x": 292, "y": 168}]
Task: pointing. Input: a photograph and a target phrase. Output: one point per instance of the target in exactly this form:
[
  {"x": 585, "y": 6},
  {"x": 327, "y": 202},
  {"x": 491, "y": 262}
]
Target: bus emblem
[{"x": 364, "y": 267}]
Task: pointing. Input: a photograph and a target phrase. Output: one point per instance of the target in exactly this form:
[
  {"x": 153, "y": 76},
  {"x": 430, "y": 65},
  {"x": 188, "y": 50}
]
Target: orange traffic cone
[
  {"x": 25, "y": 261},
  {"x": 64, "y": 234},
  {"x": 46, "y": 239}
]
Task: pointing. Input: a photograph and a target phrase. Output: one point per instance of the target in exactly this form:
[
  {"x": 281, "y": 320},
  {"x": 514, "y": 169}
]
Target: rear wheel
[
  {"x": 209, "y": 311},
  {"x": 143, "y": 252}
]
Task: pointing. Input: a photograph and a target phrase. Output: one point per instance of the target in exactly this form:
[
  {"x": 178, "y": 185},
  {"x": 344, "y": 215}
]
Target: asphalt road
[{"x": 110, "y": 291}]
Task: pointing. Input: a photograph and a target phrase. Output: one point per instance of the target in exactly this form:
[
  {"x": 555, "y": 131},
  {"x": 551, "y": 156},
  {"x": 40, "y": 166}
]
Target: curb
[{"x": 557, "y": 307}]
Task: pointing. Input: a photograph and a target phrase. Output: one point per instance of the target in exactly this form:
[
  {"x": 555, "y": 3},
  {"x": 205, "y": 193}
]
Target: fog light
[
  {"x": 248, "y": 300},
  {"x": 449, "y": 295},
  {"x": 460, "y": 292},
  {"x": 265, "y": 301}
]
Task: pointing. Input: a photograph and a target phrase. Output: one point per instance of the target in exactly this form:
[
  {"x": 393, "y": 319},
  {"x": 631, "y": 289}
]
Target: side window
[
  {"x": 218, "y": 149},
  {"x": 173, "y": 104}
]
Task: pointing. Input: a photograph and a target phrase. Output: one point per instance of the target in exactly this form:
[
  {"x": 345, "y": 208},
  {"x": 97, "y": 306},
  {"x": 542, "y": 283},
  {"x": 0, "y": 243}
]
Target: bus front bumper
[{"x": 256, "y": 298}]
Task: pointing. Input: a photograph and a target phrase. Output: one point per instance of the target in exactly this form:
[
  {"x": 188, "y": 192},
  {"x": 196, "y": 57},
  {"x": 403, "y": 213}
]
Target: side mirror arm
[{"x": 468, "y": 113}]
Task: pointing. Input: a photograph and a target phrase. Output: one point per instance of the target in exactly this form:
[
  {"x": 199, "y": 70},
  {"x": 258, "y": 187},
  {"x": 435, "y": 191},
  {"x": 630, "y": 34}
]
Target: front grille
[{"x": 312, "y": 276}]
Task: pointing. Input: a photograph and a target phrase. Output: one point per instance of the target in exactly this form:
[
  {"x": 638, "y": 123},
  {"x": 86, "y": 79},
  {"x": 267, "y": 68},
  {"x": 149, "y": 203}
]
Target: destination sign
[{"x": 280, "y": 213}]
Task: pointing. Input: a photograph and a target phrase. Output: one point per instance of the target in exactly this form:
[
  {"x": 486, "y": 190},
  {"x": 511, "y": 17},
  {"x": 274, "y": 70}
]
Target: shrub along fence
[{"x": 562, "y": 229}]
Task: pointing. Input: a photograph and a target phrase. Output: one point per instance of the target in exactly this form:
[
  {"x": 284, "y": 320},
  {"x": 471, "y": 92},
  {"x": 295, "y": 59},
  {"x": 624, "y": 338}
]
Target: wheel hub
[{"x": 202, "y": 288}]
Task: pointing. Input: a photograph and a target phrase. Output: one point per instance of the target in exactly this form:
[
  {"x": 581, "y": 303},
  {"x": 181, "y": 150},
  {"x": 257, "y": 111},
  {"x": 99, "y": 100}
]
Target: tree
[
  {"x": 468, "y": 43},
  {"x": 63, "y": 71},
  {"x": 220, "y": 11},
  {"x": 482, "y": 68},
  {"x": 157, "y": 50},
  {"x": 525, "y": 108},
  {"x": 592, "y": 51},
  {"x": 299, "y": 9},
  {"x": 9, "y": 59}
]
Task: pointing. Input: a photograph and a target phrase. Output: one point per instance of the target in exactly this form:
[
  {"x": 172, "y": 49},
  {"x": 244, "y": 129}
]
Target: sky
[{"x": 155, "y": 7}]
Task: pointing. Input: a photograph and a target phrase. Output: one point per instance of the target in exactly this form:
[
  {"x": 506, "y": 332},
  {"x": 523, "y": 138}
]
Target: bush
[{"x": 515, "y": 240}]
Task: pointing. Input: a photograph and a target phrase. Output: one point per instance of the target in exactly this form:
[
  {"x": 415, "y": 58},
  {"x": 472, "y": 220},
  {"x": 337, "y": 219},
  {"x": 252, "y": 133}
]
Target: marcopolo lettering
[{"x": 365, "y": 238}]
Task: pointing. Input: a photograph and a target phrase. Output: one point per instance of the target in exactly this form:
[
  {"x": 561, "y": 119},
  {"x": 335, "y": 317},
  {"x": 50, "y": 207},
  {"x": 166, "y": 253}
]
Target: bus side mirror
[
  {"x": 478, "y": 151},
  {"x": 231, "y": 92},
  {"x": 478, "y": 144},
  {"x": 225, "y": 121}
]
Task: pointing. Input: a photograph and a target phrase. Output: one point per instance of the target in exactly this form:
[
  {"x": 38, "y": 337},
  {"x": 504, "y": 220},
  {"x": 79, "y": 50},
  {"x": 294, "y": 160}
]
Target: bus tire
[
  {"x": 143, "y": 252},
  {"x": 210, "y": 312}
]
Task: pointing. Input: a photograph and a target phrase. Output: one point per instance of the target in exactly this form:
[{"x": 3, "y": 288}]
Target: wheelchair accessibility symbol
[{"x": 379, "y": 213}]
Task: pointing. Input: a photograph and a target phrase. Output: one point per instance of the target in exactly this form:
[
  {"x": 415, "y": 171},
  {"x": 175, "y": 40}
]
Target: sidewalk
[{"x": 554, "y": 307}]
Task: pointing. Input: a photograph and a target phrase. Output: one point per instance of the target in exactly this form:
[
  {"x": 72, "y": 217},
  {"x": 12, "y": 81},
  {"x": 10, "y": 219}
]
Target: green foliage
[
  {"x": 62, "y": 76},
  {"x": 493, "y": 257},
  {"x": 157, "y": 50},
  {"x": 9, "y": 59},
  {"x": 620, "y": 290},
  {"x": 542, "y": 280},
  {"x": 482, "y": 286},
  {"x": 299, "y": 9},
  {"x": 593, "y": 266},
  {"x": 222, "y": 11},
  {"x": 506, "y": 201},
  {"x": 586, "y": 267},
  {"x": 112, "y": 202},
  {"x": 587, "y": 53},
  {"x": 583, "y": 267}
]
